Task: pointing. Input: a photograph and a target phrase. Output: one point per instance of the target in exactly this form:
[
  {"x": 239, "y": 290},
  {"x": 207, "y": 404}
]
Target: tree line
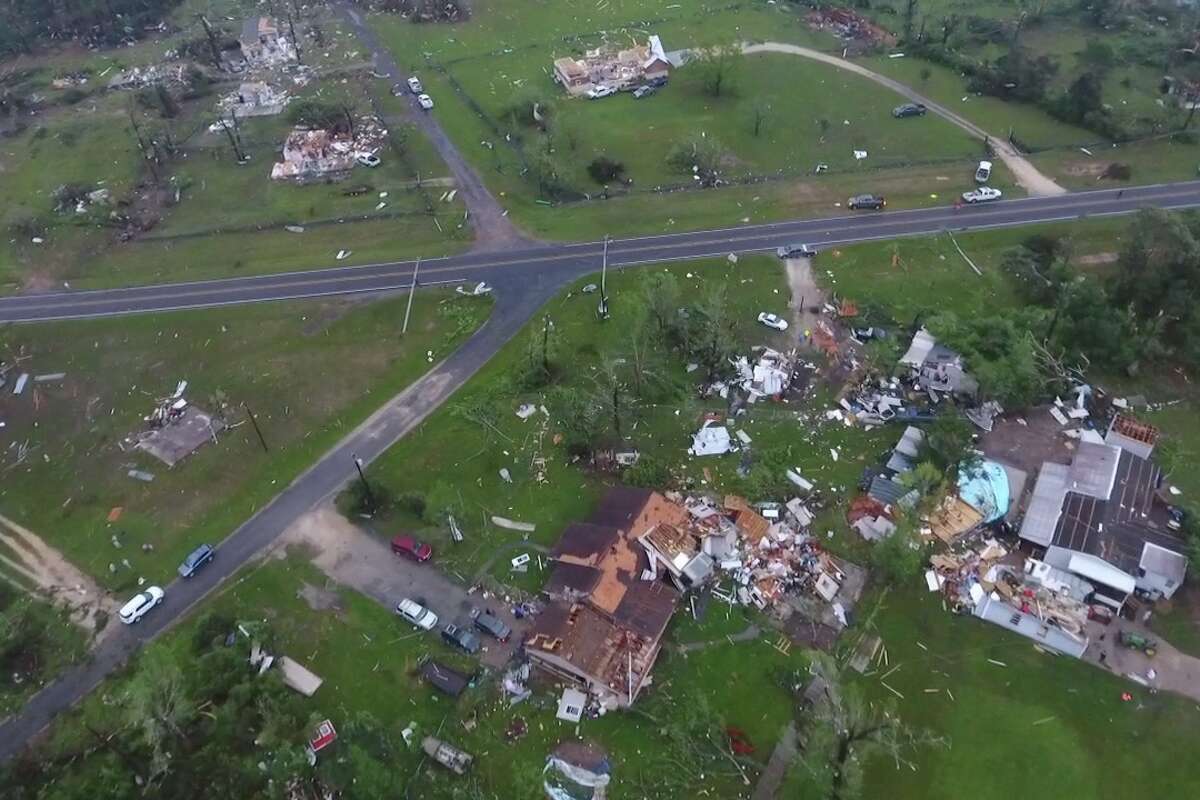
[{"x": 26, "y": 23}]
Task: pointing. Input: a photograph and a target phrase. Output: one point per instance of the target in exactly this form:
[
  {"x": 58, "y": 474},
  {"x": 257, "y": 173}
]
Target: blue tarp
[{"x": 984, "y": 487}]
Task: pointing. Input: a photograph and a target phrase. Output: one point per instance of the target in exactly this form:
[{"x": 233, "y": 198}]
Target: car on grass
[
  {"x": 795, "y": 251},
  {"x": 461, "y": 638},
  {"x": 410, "y": 548},
  {"x": 983, "y": 172},
  {"x": 873, "y": 202},
  {"x": 414, "y": 85},
  {"x": 417, "y": 614},
  {"x": 643, "y": 91},
  {"x": 367, "y": 160},
  {"x": 492, "y": 625},
  {"x": 196, "y": 559},
  {"x": 425, "y": 101},
  {"x": 773, "y": 321},
  {"x": 909, "y": 110},
  {"x": 596, "y": 92},
  {"x": 983, "y": 194},
  {"x": 141, "y": 604}
]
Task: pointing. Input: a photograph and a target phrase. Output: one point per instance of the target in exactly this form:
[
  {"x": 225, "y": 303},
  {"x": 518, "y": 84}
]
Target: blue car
[{"x": 198, "y": 558}]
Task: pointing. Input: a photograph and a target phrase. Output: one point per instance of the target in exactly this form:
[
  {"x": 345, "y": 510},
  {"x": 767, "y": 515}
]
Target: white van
[{"x": 983, "y": 172}]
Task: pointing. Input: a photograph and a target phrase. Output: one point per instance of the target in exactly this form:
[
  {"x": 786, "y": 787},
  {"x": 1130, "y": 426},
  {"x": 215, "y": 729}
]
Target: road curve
[
  {"x": 514, "y": 268},
  {"x": 1027, "y": 175}
]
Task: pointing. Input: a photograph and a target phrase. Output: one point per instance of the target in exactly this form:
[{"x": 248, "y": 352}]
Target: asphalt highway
[{"x": 513, "y": 268}]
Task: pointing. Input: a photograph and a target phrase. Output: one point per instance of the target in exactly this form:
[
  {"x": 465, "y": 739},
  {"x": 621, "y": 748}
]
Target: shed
[{"x": 445, "y": 679}]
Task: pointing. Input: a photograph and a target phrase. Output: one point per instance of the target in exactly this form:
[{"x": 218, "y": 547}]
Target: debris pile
[
  {"x": 253, "y": 99},
  {"x": 318, "y": 154},
  {"x": 174, "y": 430},
  {"x": 849, "y": 26}
]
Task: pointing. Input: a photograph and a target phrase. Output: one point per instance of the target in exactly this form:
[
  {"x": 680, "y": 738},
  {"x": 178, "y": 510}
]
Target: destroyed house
[
  {"x": 678, "y": 552},
  {"x": 608, "y": 608},
  {"x": 1102, "y": 518},
  {"x": 259, "y": 35},
  {"x": 938, "y": 367}
]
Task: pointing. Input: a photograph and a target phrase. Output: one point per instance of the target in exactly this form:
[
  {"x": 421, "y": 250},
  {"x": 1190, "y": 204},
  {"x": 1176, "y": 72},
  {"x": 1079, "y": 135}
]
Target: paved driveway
[{"x": 364, "y": 562}]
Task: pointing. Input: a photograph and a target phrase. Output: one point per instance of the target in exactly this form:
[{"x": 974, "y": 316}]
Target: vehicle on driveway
[
  {"x": 643, "y": 91},
  {"x": 909, "y": 110},
  {"x": 414, "y": 85},
  {"x": 866, "y": 334},
  {"x": 409, "y": 547},
  {"x": 196, "y": 559},
  {"x": 795, "y": 251},
  {"x": 417, "y": 614},
  {"x": 425, "y": 101},
  {"x": 871, "y": 201},
  {"x": 982, "y": 195},
  {"x": 367, "y": 160},
  {"x": 772, "y": 321},
  {"x": 140, "y": 605},
  {"x": 461, "y": 637},
  {"x": 492, "y": 625},
  {"x": 596, "y": 92}
]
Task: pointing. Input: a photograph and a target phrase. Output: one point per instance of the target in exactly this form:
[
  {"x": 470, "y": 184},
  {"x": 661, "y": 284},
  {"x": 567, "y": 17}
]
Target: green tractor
[{"x": 1135, "y": 641}]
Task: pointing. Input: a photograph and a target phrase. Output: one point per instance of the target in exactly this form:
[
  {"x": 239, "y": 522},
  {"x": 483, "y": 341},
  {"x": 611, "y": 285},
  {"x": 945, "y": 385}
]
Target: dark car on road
[
  {"x": 871, "y": 201},
  {"x": 409, "y": 547},
  {"x": 197, "y": 559},
  {"x": 909, "y": 110},
  {"x": 461, "y": 637},
  {"x": 492, "y": 625},
  {"x": 795, "y": 251}
]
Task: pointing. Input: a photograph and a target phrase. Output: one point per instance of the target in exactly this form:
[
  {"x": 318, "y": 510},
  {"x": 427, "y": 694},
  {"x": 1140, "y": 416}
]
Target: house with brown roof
[{"x": 608, "y": 607}]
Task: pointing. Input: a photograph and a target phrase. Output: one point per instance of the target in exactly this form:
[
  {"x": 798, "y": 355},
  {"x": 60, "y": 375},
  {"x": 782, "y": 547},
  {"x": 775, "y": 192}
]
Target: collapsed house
[
  {"x": 1104, "y": 518},
  {"x": 253, "y": 99},
  {"x": 314, "y": 154},
  {"x": 262, "y": 44},
  {"x": 613, "y": 69}
]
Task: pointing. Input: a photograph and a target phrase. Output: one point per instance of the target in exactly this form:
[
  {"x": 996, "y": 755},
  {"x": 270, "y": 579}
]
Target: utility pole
[
  {"x": 411, "y": 291},
  {"x": 358, "y": 465},
  {"x": 603, "y": 309},
  {"x": 295, "y": 41},
  {"x": 258, "y": 430}
]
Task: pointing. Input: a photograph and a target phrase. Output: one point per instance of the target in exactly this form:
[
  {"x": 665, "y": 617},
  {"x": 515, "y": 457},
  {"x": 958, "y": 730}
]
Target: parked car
[
  {"x": 461, "y": 637},
  {"x": 866, "y": 334},
  {"x": 492, "y": 625},
  {"x": 772, "y": 321},
  {"x": 1176, "y": 516},
  {"x": 417, "y": 614},
  {"x": 983, "y": 172},
  {"x": 414, "y": 85},
  {"x": 795, "y": 251},
  {"x": 367, "y": 160},
  {"x": 196, "y": 559},
  {"x": 871, "y": 201},
  {"x": 409, "y": 547},
  {"x": 657, "y": 82},
  {"x": 596, "y": 92},
  {"x": 644, "y": 90},
  {"x": 909, "y": 110},
  {"x": 982, "y": 195},
  {"x": 425, "y": 101},
  {"x": 141, "y": 604}
]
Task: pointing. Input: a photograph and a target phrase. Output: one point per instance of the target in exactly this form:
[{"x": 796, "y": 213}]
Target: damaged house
[
  {"x": 615, "y": 69},
  {"x": 1103, "y": 517},
  {"x": 937, "y": 367},
  {"x": 608, "y": 612},
  {"x": 314, "y": 155}
]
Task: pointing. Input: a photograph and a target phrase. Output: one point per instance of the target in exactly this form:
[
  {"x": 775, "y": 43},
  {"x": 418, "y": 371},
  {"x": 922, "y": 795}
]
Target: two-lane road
[{"x": 558, "y": 262}]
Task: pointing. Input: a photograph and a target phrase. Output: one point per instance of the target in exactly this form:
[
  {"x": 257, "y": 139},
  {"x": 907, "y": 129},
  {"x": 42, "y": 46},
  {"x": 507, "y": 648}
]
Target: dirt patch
[
  {"x": 320, "y": 599},
  {"x": 807, "y": 297},
  {"x": 1096, "y": 259},
  {"x": 25, "y": 557},
  {"x": 1085, "y": 169}
]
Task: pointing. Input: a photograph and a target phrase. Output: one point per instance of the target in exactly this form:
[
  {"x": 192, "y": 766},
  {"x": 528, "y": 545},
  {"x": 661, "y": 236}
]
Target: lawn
[
  {"x": 310, "y": 371},
  {"x": 817, "y": 114},
  {"x": 205, "y": 207}
]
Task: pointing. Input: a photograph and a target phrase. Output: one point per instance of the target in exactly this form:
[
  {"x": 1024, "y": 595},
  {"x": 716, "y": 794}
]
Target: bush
[
  {"x": 412, "y": 503},
  {"x": 357, "y": 499},
  {"x": 72, "y": 96},
  {"x": 605, "y": 170},
  {"x": 211, "y": 626}
]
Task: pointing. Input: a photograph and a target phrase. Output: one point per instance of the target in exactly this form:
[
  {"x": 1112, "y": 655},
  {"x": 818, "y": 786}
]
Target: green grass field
[{"x": 310, "y": 371}]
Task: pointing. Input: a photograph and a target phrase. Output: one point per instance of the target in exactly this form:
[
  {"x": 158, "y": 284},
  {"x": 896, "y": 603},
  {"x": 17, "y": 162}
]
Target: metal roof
[{"x": 1041, "y": 518}]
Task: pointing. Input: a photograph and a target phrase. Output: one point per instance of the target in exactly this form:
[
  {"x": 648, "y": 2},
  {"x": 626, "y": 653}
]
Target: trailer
[{"x": 447, "y": 755}]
